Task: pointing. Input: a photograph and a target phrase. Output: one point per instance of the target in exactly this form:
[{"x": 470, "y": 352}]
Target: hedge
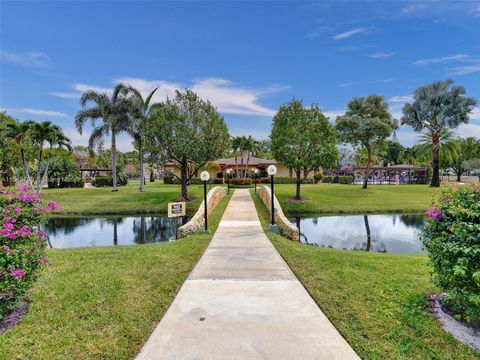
[{"x": 103, "y": 181}]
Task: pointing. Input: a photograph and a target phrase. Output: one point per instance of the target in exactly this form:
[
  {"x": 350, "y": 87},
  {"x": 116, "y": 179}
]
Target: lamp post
[
  {"x": 205, "y": 176},
  {"x": 272, "y": 170},
  {"x": 228, "y": 181},
  {"x": 255, "y": 172}
]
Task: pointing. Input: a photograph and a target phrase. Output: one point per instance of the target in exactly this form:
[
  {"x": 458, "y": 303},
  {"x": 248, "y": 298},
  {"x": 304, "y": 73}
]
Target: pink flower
[
  {"x": 43, "y": 260},
  {"x": 22, "y": 188},
  {"x": 17, "y": 210},
  {"x": 433, "y": 213},
  {"x": 6, "y": 249},
  {"x": 53, "y": 205},
  {"x": 17, "y": 274}
]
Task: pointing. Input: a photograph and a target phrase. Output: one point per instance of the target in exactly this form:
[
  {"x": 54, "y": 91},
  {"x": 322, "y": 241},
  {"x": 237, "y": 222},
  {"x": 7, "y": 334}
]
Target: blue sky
[{"x": 246, "y": 57}]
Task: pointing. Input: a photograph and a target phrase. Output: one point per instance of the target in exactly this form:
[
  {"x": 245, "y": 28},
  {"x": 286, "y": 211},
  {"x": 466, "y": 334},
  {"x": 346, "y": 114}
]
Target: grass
[
  {"x": 336, "y": 198},
  {"x": 99, "y": 303},
  {"x": 378, "y": 302},
  {"x": 128, "y": 200}
]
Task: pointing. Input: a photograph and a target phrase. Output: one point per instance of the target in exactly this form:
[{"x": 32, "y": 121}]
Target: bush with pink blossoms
[
  {"x": 22, "y": 243},
  {"x": 452, "y": 238}
]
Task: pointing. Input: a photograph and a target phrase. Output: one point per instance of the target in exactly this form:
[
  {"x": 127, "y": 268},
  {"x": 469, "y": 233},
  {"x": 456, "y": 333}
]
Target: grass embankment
[
  {"x": 128, "y": 200},
  {"x": 336, "y": 198},
  {"x": 378, "y": 302},
  {"x": 100, "y": 303}
]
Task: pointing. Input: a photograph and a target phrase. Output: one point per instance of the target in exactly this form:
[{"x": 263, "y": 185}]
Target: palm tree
[
  {"x": 438, "y": 106},
  {"x": 19, "y": 132},
  {"x": 55, "y": 138},
  {"x": 237, "y": 144},
  {"x": 141, "y": 112},
  {"x": 113, "y": 110},
  {"x": 251, "y": 147}
]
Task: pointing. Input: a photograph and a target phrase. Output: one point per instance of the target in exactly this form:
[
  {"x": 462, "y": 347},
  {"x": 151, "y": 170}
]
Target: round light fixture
[
  {"x": 205, "y": 176},
  {"x": 272, "y": 170}
]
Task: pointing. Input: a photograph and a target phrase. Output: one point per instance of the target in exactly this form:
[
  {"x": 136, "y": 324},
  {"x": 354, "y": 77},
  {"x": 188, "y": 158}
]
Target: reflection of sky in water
[
  {"x": 88, "y": 232},
  {"x": 389, "y": 233}
]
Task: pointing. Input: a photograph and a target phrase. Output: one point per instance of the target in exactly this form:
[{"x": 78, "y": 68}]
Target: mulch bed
[
  {"x": 13, "y": 317},
  {"x": 294, "y": 200}
]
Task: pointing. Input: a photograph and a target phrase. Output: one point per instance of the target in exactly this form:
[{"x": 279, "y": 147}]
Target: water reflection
[
  {"x": 380, "y": 233},
  {"x": 86, "y": 232}
]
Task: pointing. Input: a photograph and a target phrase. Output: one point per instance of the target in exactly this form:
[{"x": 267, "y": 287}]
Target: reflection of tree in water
[
  {"x": 156, "y": 229},
  {"x": 114, "y": 222},
  {"x": 368, "y": 246},
  {"x": 414, "y": 221},
  {"x": 58, "y": 226}
]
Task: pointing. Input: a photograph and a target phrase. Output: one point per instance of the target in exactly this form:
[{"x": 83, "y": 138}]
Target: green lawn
[
  {"x": 128, "y": 200},
  {"x": 100, "y": 303},
  {"x": 336, "y": 198},
  {"x": 378, "y": 302}
]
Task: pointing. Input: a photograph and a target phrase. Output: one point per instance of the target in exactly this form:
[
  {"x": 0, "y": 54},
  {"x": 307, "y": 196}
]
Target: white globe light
[
  {"x": 255, "y": 171},
  {"x": 272, "y": 170},
  {"x": 205, "y": 176},
  {"x": 228, "y": 171}
]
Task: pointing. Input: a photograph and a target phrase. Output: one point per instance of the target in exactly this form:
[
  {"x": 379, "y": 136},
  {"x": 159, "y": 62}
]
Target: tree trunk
[
  {"x": 368, "y": 168},
  {"x": 236, "y": 167},
  {"x": 299, "y": 180},
  {"x": 45, "y": 172},
  {"x": 435, "y": 160},
  {"x": 39, "y": 169},
  {"x": 152, "y": 176},
  {"x": 459, "y": 176},
  {"x": 184, "y": 174},
  {"x": 246, "y": 166},
  {"x": 114, "y": 162},
  {"x": 142, "y": 167},
  {"x": 25, "y": 168}
]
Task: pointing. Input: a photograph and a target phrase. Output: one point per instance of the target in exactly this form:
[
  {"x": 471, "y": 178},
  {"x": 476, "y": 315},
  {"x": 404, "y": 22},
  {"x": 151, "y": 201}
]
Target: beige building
[{"x": 243, "y": 164}]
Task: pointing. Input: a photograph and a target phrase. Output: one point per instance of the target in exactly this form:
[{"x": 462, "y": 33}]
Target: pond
[
  {"x": 73, "y": 232},
  {"x": 381, "y": 233}
]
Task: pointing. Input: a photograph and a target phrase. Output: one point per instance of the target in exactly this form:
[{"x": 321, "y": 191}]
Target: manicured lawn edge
[
  {"x": 96, "y": 303},
  {"x": 378, "y": 302}
]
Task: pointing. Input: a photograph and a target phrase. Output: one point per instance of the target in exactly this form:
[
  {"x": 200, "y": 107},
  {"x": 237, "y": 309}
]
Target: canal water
[
  {"x": 74, "y": 232},
  {"x": 381, "y": 233}
]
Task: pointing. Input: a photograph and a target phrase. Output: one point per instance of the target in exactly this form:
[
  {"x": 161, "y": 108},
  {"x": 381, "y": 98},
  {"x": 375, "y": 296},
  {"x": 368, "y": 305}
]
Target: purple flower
[
  {"x": 53, "y": 205},
  {"x": 17, "y": 210},
  {"x": 6, "y": 249},
  {"x": 17, "y": 274},
  {"x": 43, "y": 260},
  {"x": 433, "y": 213}
]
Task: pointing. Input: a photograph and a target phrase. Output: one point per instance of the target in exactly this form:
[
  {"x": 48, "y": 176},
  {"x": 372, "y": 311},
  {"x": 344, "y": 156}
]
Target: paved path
[{"x": 242, "y": 301}]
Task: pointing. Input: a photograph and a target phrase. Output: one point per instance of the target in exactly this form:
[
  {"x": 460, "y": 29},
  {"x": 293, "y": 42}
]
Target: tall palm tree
[
  {"x": 56, "y": 138},
  {"x": 438, "y": 106},
  {"x": 19, "y": 131},
  {"x": 113, "y": 110},
  {"x": 141, "y": 112},
  {"x": 251, "y": 147},
  {"x": 237, "y": 144}
]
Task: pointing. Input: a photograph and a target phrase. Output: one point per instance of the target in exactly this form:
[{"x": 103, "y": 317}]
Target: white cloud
[
  {"x": 332, "y": 114},
  {"x": 123, "y": 141},
  {"x": 401, "y": 99},
  {"x": 31, "y": 59},
  {"x": 318, "y": 31},
  {"x": 475, "y": 11},
  {"x": 437, "y": 60},
  {"x": 413, "y": 8},
  {"x": 345, "y": 84},
  {"x": 349, "y": 33},
  {"x": 228, "y": 97},
  {"x": 37, "y": 112},
  {"x": 381, "y": 55},
  {"x": 464, "y": 69},
  {"x": 467, "y": 130}
]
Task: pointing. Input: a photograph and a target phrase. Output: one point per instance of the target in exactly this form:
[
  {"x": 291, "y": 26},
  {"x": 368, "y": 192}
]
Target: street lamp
[
  {"x": 228, "y": 181},
  {"x": 272, "y": 170},
  {"x": 255, "y": 172},
  {"x": 205, "y": 176}
]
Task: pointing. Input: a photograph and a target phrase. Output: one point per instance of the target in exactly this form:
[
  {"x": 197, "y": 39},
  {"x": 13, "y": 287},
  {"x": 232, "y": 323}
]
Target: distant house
[{"x": 241, "y": 164}]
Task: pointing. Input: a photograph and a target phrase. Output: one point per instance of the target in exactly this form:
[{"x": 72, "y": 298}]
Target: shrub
[
  {"x": 318, "y": 176},
  {"x": 102, "y": 181},
  {"x": 241, "y": 181},
  {"x": 168, "y": 179},
  {"x": 288, "y": 180},
  {"x": 327, "y": 179},
  {"x": 452, "y": 238},
  {"x": 22, "y": 243},
  {"x": 66, "y": 183},
  {"x": 347, "y": 180}
]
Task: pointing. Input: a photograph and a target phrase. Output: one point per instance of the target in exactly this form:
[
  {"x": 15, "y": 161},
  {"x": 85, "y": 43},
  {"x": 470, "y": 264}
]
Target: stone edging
[
  {"x": 288, "y": 229},
  {"x": 214, "y": 196}
]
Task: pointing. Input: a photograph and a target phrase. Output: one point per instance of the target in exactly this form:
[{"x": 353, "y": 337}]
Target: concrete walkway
[{"x": 242, "y": 301}]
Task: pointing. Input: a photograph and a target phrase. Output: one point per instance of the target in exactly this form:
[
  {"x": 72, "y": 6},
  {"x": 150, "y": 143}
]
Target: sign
[{"x": 176, "y": 209}]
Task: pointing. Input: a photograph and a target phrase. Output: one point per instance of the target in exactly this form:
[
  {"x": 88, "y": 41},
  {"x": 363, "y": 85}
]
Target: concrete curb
[
  {"x": 288, "y": 229},
  {"x": 214, "y": 196}
]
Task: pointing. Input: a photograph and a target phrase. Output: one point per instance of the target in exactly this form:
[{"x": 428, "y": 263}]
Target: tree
[
  {"x": 113, "y": 110},
  {"x": 141, "y": 112},
  {"x": 438, "y": 106},
  {"x": 367, "y": 123},
  {"x": 392, "y": 152},
  {"x": 474, "y": 166},
  {"x": 19, "y": 132},
  {"x": 237, "y": 145},
  {"x": 48, "y": 132},
  {"x": 445, "y": 144},
  {"x": 251, "y": 147},
  {"x": 189, "y": 132},
  {"x": 464, "y": 150},
  {"x": 302, "y": 139},
  {"x": 9, "y": 155}
]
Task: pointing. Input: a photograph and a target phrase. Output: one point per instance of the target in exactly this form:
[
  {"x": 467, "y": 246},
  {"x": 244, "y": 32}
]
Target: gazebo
[{"x": 390, "y": 174}]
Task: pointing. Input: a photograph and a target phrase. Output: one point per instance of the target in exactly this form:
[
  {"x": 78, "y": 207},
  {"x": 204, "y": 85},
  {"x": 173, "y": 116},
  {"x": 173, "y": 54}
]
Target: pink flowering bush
[
  {"x": 22, "y": 243},
  {"x": 452, "y": 238}
]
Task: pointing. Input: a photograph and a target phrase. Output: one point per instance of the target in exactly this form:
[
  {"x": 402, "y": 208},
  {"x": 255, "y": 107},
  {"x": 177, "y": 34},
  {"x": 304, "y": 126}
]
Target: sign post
[
  {"x": 205, "y": 176},
  {"x": 177, "y": 209},
  {"x": 272, "y": 170}
]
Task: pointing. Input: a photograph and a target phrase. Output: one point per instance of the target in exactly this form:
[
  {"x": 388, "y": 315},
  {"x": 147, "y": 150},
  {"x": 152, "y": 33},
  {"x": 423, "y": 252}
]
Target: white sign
[{"x": 176, "y": 209}]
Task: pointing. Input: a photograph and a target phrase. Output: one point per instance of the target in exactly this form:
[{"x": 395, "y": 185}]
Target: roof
[
  {"x": 242, "y": 160},
  {"x": 394, "y": 167}
]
